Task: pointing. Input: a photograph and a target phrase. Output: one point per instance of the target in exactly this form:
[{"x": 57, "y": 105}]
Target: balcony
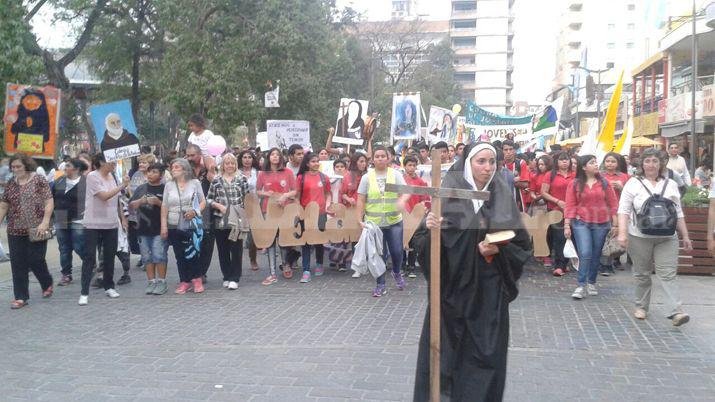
[
  {"x": 464, "y": 14},
  {"x": 463, "y": 32},
  {"x": 464, "y": 51},
  {"x": 575, "y": 5},
  {"x": 465, "y": 68},
  {"x": 573, "y": 57},
  {"x": 573, "y": 38}
]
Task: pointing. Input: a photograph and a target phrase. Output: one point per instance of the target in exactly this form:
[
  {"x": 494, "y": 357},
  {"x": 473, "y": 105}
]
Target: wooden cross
[{"x": 436, "y": 192}]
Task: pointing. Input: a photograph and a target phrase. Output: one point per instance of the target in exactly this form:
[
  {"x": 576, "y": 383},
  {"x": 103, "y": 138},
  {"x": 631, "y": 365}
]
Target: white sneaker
[
  {"x": 578, "y": 293},
  {"x": 356, "y": 274},
  {"x": 112, "y": 293},
  {"x": 225, "y": 284},
  {"x": 83, "y": 300},
  {"x": 592, "y": 291},
  {"x": 232, "y": 285}
]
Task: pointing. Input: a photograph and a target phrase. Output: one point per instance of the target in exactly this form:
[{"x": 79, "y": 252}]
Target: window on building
[
  {"x": 631, "y": 7},
  {"x": 611, "y": 27},
  {"x": 631, "y": 26},
  {"x": 471, "y": 6},
  {"x": 464, "y": 42},
  {"x": 629, "y": 45},
  {"x": 610, "y": 64},
  {"x": 611, "y": 45},
  {"x": 464, "y": 77},
  {"x": 466, "y": 24}
]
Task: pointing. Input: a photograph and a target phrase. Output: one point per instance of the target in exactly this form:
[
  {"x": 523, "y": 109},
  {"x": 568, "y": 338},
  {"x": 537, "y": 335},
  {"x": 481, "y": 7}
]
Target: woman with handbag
[
  {"x": 647, "y": 250},
  {"x": 182, "y": 203},
  {"x": 225, "y": 197},
  {"x": 27, "y": 203},
  {"x": 590, "y": 208}
]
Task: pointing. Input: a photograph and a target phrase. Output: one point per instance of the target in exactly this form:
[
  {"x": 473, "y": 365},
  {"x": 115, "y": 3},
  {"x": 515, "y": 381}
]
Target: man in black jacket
[{"x": 68, "y": 193}]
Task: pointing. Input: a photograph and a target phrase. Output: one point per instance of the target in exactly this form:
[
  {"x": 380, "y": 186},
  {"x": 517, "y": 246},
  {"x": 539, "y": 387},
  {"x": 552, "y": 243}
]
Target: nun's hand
[
  {"x": 432, "y": 222},
  {"x": 488, "y": 249}
]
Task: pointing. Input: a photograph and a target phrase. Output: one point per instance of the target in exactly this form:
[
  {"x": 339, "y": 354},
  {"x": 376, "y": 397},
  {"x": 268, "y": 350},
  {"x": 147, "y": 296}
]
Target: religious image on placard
[
  {"x": 32, "y": 120},
  {"x": 350, "y": 127},
  {"x": 284, "y": 133},
  {"x": 406, "y": 122},
  {"x": 442, "y": 125},
  {"x": 115, "y": 130}
]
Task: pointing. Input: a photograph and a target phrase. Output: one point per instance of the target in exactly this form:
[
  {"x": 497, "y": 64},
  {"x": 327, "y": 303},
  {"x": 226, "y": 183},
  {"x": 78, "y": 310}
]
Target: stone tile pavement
[{"x": 330, "y": 341}]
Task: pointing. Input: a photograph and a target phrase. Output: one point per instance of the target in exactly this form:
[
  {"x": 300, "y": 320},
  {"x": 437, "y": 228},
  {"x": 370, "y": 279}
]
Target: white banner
[
  {"x": 493, "y": 133},
  {"x": 284, "y": 133}
]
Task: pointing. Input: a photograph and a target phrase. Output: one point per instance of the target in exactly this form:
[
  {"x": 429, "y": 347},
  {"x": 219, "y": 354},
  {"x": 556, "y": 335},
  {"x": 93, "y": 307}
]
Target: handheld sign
[{"x": 436, "y": 192}]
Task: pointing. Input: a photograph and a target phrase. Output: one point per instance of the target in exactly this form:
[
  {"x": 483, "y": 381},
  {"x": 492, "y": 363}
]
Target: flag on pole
[
  {"x": 548, "y": 119},
  {"x": 606, "y": 138},
  {"x": 623, "y": 146}
]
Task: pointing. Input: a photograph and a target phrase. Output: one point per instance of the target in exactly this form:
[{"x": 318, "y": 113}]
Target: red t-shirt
[
  {"x": 558, "y": 187},
  {"x": 281, "y": 182},
  {"x": 415, "y": 199},
  {"x": 619, "y": 177},
  {"x": 590, "y": 205},
  {"x": 535, "y": 182},
  {"x": 313, "y": 189},
  {"x": 349, "y": 187},
  {"x": 524, "y": 174}
]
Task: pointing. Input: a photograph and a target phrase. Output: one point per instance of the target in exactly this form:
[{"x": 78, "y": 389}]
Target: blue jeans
[
  {"x": 589, "y": 239},
  {"x": 70, "y": 239},
  {"x": 392, "y": 242}
]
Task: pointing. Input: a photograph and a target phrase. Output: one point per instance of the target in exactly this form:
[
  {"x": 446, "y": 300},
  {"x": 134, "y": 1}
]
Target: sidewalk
[{"x": 330, "y": 341}]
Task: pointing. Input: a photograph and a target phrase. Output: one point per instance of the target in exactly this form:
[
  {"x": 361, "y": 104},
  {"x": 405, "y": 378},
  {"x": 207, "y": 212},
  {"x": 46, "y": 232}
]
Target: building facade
[{"x": 481, "y": 34}]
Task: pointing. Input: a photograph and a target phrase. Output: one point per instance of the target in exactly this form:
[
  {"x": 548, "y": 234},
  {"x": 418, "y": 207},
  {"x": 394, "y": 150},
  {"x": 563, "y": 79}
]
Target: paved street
[{"x": 330, "y": 341}]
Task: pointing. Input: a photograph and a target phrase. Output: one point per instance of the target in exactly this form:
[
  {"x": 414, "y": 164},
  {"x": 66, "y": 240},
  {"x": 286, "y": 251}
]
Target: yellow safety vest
[{"x": 381, "y": 207}]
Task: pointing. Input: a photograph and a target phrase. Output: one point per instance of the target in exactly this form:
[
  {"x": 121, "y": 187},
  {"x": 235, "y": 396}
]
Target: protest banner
[
  {"x": 484, "y": 125},
  {"x": 284, "y": 133},
  {"x": 406, "y": 122},
  {"x": 115, "y": 130},
  {"x": 32, "y": 120},
  {"x": 350, "y": 126}
]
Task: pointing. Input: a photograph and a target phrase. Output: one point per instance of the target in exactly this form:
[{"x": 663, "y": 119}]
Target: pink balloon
[{"x": 216, "y": 145}]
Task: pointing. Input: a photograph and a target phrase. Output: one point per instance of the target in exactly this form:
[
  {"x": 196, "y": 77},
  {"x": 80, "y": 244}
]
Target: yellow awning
[
  {"x": 644, "y": 142},
  {"x": 573, "y": 141},
  {"x": 647, "y": 63}
]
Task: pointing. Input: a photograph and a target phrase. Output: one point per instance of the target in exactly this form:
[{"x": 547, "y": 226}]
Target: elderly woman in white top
[
  {"x": 645, "y": 250},
  {"x": 177, "y": 209}
]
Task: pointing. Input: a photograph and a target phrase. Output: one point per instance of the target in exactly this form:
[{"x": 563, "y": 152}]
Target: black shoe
[
  {"x": 98, "y": 283},
  {"x": 203, "y": 279},
  {"x": 139, "y": 264},
  {"x": 124, "y": 280}
]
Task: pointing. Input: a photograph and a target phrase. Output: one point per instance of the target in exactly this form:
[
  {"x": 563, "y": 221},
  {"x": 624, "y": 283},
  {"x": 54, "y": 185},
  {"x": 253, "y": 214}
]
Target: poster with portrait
[
  {"x": 442, "y": 126},
  {"x": 350, "y": 127},
  {"x": 406, "y": 122},
  {"x": 115, "y": 130},
  {"x": 32, "y": 120}
]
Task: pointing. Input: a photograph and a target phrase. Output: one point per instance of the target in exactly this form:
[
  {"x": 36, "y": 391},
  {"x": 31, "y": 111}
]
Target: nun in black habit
[{"x": 475, "y": 293}]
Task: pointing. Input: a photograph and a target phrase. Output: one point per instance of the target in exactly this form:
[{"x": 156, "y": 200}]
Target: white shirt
[
  {"x": 201, "y": 140},
  {"x": 634, "y": 196},
  {"x": 678, "y": 165}
]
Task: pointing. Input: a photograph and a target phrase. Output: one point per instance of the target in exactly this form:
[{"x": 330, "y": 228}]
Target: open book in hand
[{"x": 499, "y": 239}]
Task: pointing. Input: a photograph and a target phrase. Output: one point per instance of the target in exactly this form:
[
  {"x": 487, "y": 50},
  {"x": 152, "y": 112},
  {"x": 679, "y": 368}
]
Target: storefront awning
[{"x": 680, "y": 128}]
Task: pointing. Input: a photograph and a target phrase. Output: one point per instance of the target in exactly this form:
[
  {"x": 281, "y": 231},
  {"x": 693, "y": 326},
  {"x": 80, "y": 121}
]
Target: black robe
[
  {"x": 124, "y": 140},
  {"x": 475, "y": 294}
]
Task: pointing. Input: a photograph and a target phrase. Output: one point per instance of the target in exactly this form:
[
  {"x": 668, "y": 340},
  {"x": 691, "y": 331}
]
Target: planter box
[{"x": 698, "y": 261}]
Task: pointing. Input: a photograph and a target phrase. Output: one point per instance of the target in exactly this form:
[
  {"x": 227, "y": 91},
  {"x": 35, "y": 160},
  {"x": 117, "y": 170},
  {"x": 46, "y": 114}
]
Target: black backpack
[{"x": 657, "y": 216}]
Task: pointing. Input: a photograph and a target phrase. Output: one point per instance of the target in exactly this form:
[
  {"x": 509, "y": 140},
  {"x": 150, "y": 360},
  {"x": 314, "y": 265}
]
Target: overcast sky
[{"x": 534, "y": 42}]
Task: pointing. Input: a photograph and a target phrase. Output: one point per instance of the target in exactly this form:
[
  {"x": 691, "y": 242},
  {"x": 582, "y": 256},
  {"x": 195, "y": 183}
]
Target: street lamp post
[{"x": 694, "y": 82}]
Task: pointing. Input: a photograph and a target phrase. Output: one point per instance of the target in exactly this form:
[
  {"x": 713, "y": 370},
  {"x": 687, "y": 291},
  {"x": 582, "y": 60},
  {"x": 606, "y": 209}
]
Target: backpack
[{"x": 657, "y": 216}]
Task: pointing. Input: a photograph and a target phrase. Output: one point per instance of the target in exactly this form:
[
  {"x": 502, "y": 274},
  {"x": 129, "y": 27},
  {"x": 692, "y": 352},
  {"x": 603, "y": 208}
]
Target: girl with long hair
[
  {"x": 553, "y": 190},
  {"x": 275, "y": 184},
  {"x": 590, "y": 209},
  {"x": 313, "y": 186}
]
